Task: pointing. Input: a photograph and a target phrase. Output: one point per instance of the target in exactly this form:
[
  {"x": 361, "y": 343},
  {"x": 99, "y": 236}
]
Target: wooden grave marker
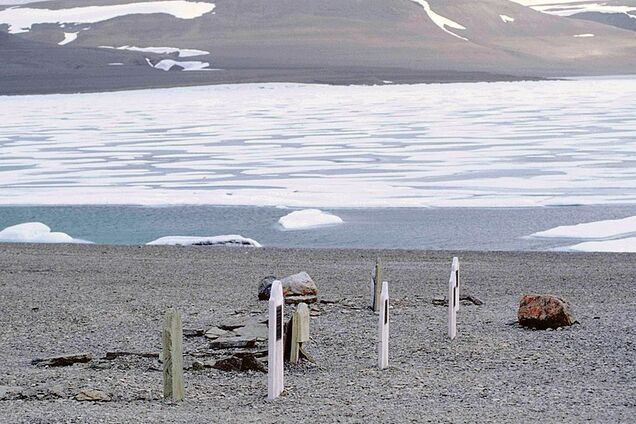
[
  {"x": 453, "y": 299},
  {"x": 376, "y": 286},
  {"x": 275, "y": 346},
  {"x": 172, "y": 340},
  {"x": 299, "y": 331},
  {"x": 383, "y": 328}
]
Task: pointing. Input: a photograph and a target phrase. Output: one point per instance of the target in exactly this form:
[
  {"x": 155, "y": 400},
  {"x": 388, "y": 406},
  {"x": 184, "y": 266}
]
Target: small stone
[
  {"x": 189, "y": 332},
  {"x": 544, "y": 311},
  {"x": 228, "y": 364},
  {"x": 92, "y": 395},
  {"x": 233, "y": 343},
  {"x": 63, "y": 360},
  {"x": 264, "y": 287},
  {"x": 215, "y": 333}
]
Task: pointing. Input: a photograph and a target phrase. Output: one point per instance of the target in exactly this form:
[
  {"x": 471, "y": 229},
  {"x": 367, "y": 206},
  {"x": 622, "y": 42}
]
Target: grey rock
[{"x": 92, "y": 395}]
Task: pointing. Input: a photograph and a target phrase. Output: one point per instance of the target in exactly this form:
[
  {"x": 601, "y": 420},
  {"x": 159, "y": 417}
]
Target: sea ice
[
  {"x": 308, "y": 218},
  {"x": 584, "y": 35},
  {"x": 506, "y": 18},
  {"x": 35, "y": 232},
  {"x": 593, "y": 230},
  {"x": 20, "y": 19},
  {"x": 625, "y": 245},
  {"x": 224, "y": 240}
]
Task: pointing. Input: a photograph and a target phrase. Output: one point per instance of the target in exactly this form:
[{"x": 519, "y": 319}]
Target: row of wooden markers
[
  {"x": 173, "y": 334},
  {"x": 380, "y": 304}
]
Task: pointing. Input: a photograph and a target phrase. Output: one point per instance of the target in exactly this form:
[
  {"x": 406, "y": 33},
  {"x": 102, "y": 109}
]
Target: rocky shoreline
[{"x": 108, "y": 303}]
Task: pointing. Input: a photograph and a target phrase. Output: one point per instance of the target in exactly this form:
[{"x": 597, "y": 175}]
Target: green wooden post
[{"x": 172, "y": 338}]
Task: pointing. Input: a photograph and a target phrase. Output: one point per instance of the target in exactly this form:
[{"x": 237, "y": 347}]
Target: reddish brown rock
[{"x": 544, "y": 311}]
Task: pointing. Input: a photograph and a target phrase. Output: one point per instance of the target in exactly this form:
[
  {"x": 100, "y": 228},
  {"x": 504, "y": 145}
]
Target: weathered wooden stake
[
  {"x": 300, "y": 331},
  {"x": 275, "y": 343},
  {"x": 383, "y": 328},
  {"x": 172, "y": 339},
  {"x": 376, "y": 286},
  {"x": 453, "y": 299}
]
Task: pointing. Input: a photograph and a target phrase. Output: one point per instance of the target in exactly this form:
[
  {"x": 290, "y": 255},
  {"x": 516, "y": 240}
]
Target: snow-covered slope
[
  {"x": 250, "y": 40},
  {"x": 618, "y": 13}
]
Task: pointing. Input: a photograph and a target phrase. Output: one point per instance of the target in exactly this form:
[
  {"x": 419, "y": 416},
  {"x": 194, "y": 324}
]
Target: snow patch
[
  {"x": 115, "y": 64},
  {"x": 162, "y": 50},
  {"x": 441, "y": 21},
  {"x": 506, "y": 19},
  {"x": 593, "y": 230},
  {"x": 35, "y": 232},
  {"x": 21, "y": 19},
  {"x": 308, "y": 218},
  {"x": 167, "y": 64},
  {"x": 584, "y": 35},
  {"x": 69, "y": 37},
  {"x": 626, "y": 245},
  {"x": 224, "y": 240}
]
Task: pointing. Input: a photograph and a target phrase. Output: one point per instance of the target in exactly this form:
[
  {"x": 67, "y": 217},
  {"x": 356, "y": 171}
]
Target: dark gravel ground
[{"x": 67, "y": 299}]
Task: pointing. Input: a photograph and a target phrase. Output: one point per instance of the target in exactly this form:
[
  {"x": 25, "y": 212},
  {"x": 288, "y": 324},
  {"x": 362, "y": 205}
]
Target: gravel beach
[{"x": 60, "y": 299}]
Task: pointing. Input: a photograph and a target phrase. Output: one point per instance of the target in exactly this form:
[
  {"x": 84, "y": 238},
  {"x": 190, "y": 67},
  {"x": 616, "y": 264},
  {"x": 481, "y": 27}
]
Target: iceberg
[
  {"x": 223, "y": 240},
  {"x": 308, "y": 218},
  {"x": 35, "y": 232}
]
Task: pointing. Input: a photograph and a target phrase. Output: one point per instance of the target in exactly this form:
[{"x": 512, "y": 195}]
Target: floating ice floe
[
  {"x": 167, "y": 64},
  {"x": 308, "y": 218},
  {"x": 69, "y": 37},
  {"x": 35, "y": 232},
  {"x": 506, "y": 19},
  {"x": 162, "y": 50},
  {"x": 224, "y": 240},
  {"x": 441, "y": 21},
  {"x": 593, "y": 230},
  {"x": 625, "y": 245},
  {"x": 615, "y": 235},
  {"x": 584, "y": 35},
  {"x": 21, "y": 19}
]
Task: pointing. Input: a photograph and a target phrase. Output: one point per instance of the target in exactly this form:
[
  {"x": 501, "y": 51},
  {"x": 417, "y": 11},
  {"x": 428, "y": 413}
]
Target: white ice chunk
[
  {"x": 441, "y": 21},
  {"x": 35, "y": 232},
  {"x": 69, "y": 37},
  {"x": 308, "y": 218},
  {"x": 21, "y": 19},
  {"x": 224, "y": 240},
  {"x": 627, "y": 245},
  {"x": 593, "y": 230},
  {"x": 584, "y": 35},
  {"x": 506, "y": 18}
]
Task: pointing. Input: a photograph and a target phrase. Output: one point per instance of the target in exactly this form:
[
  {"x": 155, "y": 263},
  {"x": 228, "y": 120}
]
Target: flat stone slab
[{"x": 63, "y": 360}]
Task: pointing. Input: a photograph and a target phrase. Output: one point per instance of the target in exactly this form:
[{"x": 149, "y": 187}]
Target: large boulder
[
  {"x": 544, "y": 311},
  {"x": 297, "y": 288}
]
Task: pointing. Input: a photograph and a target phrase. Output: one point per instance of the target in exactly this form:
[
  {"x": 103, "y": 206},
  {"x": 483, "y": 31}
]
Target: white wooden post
[
  {"x": 275, "y": 344},
  {"x": 383, "y": 328},
  {"x": 453, "y": 299},
  {"x": 172, "y": 340}
]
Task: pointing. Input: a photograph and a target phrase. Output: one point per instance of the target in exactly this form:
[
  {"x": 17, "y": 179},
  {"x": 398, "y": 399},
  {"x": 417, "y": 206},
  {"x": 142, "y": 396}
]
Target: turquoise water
[{"x": 409, "y": 228}]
